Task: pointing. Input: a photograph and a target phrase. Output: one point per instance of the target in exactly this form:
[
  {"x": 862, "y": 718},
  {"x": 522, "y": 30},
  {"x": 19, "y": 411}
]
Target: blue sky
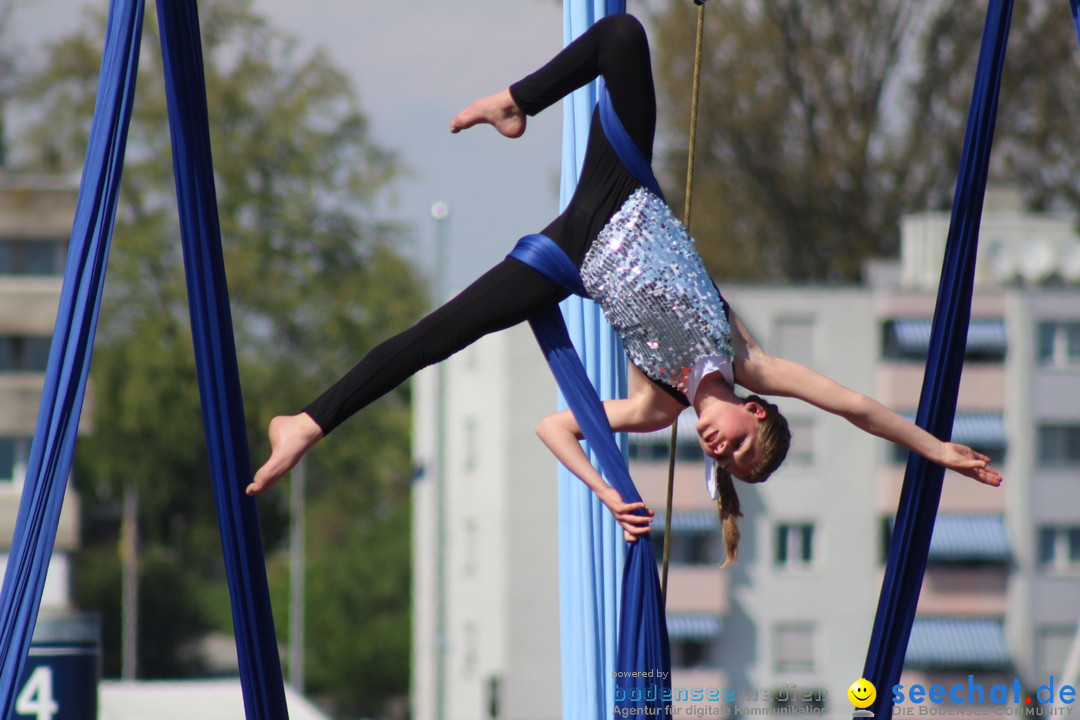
[{"x": 414, "y": 64}]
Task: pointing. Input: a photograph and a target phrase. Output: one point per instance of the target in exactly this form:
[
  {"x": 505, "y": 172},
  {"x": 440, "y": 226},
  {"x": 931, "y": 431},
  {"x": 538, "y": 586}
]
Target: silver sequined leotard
[{"x": 644, "y": 272}]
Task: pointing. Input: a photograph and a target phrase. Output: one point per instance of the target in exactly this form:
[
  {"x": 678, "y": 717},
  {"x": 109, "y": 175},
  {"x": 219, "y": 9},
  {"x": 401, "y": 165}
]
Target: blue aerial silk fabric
[
  {"x": 215, "y": 357},
  {"x": 642, "y": 670},
  {"x": 69, "y": 358},
  {"x": 591, "y": 548},
  {"x": 614, "y": 636},
  {"x": 1076, "y": 16},
  {"x": 937, "y": 405},
  {"x": 629, "y": 153}
]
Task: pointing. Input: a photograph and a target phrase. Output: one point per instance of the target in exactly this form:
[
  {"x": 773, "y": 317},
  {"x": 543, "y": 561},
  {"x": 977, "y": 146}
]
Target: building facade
[
  {"x": 35, "y": 226},
  {"x": 787, "y": 628},
  {"x": 485, "y": 539}
]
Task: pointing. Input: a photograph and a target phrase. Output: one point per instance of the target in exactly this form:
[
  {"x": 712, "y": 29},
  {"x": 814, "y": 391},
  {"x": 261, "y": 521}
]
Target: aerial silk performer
[
  {"x": 921, "y": 491},
  {"x": 512, "y": 292},
  {"x": 69, "y": 358}
]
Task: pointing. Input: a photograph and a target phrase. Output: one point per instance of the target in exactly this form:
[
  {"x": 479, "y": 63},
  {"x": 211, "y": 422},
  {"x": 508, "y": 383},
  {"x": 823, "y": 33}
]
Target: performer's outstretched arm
[
  {"x": 762, "y": 373},
  {"x": 646, "y": 409}
]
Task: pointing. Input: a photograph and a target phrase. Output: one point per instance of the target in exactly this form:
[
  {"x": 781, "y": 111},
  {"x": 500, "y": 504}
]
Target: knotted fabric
[{"x": 642, "y": 679}]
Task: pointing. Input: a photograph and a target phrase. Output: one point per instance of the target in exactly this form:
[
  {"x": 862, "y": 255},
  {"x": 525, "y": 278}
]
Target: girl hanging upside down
[{"x": 685, "y": 344}]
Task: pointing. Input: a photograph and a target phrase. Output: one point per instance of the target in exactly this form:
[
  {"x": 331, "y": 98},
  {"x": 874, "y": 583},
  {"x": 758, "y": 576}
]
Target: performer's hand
[
  {"x": 968, "y": 462},
  {"x": 632, "y": 523}
]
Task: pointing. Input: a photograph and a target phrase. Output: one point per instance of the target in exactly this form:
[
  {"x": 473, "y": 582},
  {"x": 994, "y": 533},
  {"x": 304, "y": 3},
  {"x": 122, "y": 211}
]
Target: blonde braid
[
  {"x": 774, "y": 439},
  {"x": 727, "y": 503}
]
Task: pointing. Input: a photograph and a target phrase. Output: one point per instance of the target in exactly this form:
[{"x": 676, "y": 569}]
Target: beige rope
[{"x": 673, "y": 444}]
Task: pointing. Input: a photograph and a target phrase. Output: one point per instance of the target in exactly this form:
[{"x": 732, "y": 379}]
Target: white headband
[{"x": 702, "y": 368}]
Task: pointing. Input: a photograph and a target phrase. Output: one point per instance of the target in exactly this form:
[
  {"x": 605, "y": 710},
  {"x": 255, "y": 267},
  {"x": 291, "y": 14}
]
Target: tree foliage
[
  {"x": 315, "y": 280},
  {"x": 820, "y": 124},
  {"x": 8, "y": 76}
]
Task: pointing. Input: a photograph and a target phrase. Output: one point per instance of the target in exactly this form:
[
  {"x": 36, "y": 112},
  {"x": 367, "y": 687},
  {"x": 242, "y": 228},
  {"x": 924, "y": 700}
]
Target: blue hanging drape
[
  {"x": 937, "y": 405},
  {"x": 599, "y": 638},
  {"x": 591, "y": 548},
  {"x": 69, "y": 358},
  {"x": 215, "y": 358},
  {"x": 1075, "y": 4}
]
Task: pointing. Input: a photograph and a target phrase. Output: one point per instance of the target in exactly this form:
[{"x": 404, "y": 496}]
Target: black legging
[{"x": 616, "y": 48}]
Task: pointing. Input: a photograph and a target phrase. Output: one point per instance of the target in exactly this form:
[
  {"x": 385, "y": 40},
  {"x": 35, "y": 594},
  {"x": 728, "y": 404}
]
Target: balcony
[
  {"x": 698, "y": 590},
  {"x": 28, "y": 304},
  {"x": 20, "y": 401},
  {"x": 964, "y": 591}
]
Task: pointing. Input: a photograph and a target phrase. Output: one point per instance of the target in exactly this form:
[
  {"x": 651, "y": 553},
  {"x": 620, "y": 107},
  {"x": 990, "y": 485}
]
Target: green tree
[
  {"x": 8, "y": 54},
  {"x": 315, "y": 280},
  {"x": 820, "y": 124},
  {"x": 371, "y": 587}
]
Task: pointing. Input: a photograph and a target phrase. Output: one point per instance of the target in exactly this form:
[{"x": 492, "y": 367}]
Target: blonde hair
[{"x": 774, "y": 439}]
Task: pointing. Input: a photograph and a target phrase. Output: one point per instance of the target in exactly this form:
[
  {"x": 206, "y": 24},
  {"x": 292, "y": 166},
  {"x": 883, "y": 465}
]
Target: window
[
  {"x": 24, "y": 354},
  {"x": 1058, "y": 445},
  {"x": 653, "y": 447},
  {"x": 884, "y": 539},
  {"x": 795, "y": 340},
  {"x": 7, "y": 460},
  {"x": 983, "y": 431},
  {"x": 14, "y": 452},
  {"x": 691, "y": 653},
  {"x": 494, "y": 696},
  {"x": 801, "y": 450},
  {"x": 694, "y": 639},
  {"x": 908, "y": 339},
  {"x": 471, "y": 652},
  {"x": 687, "y": 547},
  {"x": 1058, "y": 343},
  {"x": 1059, "y": 548},
  {"x": 795, "y": 544},
  {"x": 32, "y": 257},
  {"x": 646, "y": 451},
  {"x": 470, "y": 441},
  {"x": 472, "y": 545},
  {"x": 793, "y": 644},
  {"x": 1052, "y": 649}
]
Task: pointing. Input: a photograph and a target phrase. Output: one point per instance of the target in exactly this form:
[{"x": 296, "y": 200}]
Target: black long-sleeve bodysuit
[{"x": 616, "y": 48}]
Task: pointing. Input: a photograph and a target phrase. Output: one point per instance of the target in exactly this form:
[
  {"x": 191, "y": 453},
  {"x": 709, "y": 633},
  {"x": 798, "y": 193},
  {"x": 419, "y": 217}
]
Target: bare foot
[
  {"x": 498, "y": 110},
  {"x": 290, "y": 437}
]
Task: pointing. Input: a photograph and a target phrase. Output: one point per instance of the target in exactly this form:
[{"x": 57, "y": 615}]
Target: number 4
[{"x": 36, "y": 697}]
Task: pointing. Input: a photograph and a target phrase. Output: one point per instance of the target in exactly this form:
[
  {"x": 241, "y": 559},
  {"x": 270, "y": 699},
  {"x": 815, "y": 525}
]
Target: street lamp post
[
  {"x": 440, "y": 212},
  {"x": 296, "y": 590}
]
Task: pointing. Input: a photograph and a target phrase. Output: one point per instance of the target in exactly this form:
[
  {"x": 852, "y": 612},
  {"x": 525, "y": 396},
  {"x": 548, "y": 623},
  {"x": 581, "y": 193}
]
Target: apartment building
[
  {"x": 35, "y": 225},
  {"x": 485, "y": 537},
  {"x": 787, "y": 628}
]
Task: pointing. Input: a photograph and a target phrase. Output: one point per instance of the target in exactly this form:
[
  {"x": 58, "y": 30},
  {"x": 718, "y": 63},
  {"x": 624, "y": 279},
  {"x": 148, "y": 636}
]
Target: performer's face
[{"x": 728, "y": 433}]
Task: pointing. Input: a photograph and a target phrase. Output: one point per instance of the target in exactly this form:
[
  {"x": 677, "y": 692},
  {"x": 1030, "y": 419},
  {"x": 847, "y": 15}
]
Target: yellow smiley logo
[{"x": 862, "y": 693}]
